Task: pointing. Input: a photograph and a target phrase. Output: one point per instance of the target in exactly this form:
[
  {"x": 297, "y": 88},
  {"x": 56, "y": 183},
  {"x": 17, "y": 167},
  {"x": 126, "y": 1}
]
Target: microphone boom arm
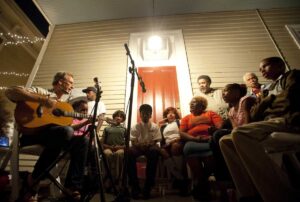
[{"x": 134, "y": 69}]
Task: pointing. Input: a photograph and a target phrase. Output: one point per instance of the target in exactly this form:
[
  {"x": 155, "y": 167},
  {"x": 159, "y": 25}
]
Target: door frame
[{"x": 177, "y": 57}]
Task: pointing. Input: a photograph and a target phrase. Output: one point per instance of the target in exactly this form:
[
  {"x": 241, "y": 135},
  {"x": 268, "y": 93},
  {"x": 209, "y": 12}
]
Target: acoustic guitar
[
  {"x": 34, "y": 115},
  {"x": 30, "y": 116}
]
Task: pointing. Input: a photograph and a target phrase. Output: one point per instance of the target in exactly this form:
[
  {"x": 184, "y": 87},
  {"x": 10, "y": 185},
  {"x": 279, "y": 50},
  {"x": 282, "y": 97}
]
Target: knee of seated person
[
  {"x": 120, "y": 152},
  {"x": 66, "y": 132},
  {"x": 218, "y": 134},
  {"x": 176, "y": 149},
  {"x": 190, "y": 148},
  {"x": 224, "y": 140},
  {"x": 186, "y": 151},
  {"x": 107, "y": 152},
  {"x": 236, "y": 134}
]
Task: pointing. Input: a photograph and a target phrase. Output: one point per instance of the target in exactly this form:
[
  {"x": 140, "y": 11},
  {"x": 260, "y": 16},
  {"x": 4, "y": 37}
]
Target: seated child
[
  {"x": 171, "y": 148},
  {"x": 113, "y": 141},
  {"x": 235, "y": 95},
  {"x": 239, "y": 113},
  {"x": 144, "y": 136},
  {"x": 80, "y": 125}
]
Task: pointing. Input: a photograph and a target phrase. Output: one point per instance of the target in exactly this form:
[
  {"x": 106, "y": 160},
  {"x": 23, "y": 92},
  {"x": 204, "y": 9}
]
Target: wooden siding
[{"x": 223, "y": 45}]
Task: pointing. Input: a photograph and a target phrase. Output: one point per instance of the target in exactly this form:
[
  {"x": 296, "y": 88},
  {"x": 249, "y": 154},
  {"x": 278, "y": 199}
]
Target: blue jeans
[{"x": 197, "y": 149}]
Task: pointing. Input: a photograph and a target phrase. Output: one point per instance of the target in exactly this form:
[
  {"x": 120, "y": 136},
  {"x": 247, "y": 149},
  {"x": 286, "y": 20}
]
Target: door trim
[{"x": 177, "y": 57}]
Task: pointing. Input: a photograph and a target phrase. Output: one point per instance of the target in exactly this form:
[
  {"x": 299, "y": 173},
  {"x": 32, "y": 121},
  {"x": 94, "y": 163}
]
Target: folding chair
[{"x": 14, "y": 153}]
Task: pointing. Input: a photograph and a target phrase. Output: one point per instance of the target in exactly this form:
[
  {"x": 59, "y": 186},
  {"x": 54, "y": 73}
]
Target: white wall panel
[{"x": 223, "y": 45}]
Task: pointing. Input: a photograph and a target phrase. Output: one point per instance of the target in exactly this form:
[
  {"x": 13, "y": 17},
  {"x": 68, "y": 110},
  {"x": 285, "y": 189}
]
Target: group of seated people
[{"x": 223, "y": 136}]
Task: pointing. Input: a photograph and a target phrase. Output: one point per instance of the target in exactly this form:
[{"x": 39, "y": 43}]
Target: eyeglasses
[{"x": 69, "y": 82}]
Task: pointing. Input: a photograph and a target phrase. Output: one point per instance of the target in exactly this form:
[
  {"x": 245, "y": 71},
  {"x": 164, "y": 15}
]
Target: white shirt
[
  {"x": 171, "y": 132},
  {"x": 100, "y": 110},
  {"x": 275, "y": 87},
  {"x": 145, "y": 132},
  {"x": 45, "y": 92},
  {"x": 215, "y": 102}
]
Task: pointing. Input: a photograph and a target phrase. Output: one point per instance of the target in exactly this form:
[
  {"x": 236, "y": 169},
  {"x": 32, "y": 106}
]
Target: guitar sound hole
[{"x": 57, "y": 112}]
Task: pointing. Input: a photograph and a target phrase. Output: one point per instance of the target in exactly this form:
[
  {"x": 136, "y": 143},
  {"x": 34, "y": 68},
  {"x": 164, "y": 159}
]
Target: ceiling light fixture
[{"x": 154, "y": 43}]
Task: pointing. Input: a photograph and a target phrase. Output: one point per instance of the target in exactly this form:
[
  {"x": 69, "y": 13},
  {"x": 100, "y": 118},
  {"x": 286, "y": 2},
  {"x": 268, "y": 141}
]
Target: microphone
[
  {"x": 143, "y": 86},
  {"x": 97, "y": 83},
  {"x": 126, "y": 48}
]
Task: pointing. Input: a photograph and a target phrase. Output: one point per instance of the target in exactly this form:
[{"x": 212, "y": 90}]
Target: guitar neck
[{"x": 75, "y": 115}]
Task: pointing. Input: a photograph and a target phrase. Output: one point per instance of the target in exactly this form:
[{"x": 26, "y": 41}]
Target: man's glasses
[{"x": 69, "y": 82}]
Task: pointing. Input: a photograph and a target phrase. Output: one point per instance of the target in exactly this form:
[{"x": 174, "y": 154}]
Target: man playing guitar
[{"x": 53, "y": 137}]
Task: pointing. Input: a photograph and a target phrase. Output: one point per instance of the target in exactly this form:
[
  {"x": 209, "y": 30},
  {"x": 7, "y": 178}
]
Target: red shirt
[{"x": 200, "y": 129}]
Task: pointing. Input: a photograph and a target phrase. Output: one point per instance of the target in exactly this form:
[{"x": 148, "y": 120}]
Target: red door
[{"x": 161, "y": 90}]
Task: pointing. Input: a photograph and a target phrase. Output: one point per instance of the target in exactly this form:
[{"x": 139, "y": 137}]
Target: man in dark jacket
[{"x": 254, "y": 173}]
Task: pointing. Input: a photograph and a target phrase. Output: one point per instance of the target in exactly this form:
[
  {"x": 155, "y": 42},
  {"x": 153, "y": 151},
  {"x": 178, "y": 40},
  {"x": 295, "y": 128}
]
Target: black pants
[
  {"x": 55, "y": 139},
  {"x": 222, "y": 172},
  {"x": 152, "y": 154}
]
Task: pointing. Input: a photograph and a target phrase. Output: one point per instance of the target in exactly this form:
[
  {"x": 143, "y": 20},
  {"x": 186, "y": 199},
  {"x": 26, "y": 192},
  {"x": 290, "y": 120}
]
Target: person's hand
[
  {"x": 199, "y": 120},
  {"x": 162, "y": 122},
  {"x": 174, "y": 140},
  {"x": 205, "y": 138},
  {"x": 109, "y": 120},
  {"x": 87, "y": 121},
  {"x": 201, "y": 138},
  {"x": 197, "y": 138},
  {"x": 49, "y": 102}
]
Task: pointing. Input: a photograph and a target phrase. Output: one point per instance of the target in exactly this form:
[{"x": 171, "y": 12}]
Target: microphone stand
[
  {"x": 98, "y": 151},
  {"x": 93, "y": 140},
  {"x": 124, "y": 192}
]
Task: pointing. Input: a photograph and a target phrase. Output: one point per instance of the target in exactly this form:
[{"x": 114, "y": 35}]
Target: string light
[
  {"x": 14, "y": 74},
  {"x": 15, "y": 39},
  {"x": 3, "y": 87}
]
